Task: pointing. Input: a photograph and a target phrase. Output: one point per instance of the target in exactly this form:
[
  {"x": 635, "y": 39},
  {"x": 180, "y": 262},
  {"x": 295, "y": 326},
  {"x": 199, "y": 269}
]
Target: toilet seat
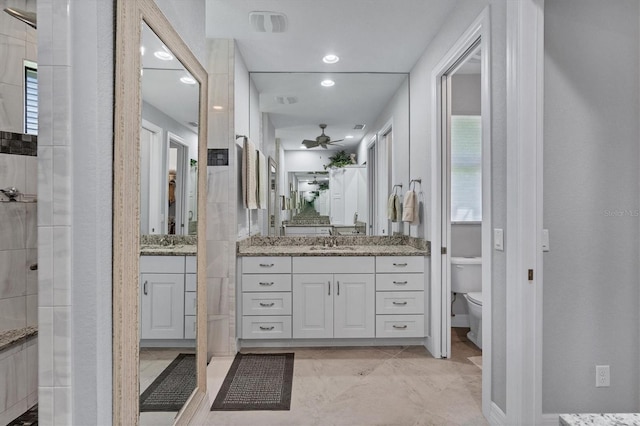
[{"x": 475, "y": 297}]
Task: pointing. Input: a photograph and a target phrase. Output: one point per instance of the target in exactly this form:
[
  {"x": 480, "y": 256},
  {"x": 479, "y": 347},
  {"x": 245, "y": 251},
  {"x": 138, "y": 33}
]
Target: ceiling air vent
[
  {"x": 286, "y": 100},
  {"x": 358, "y": 127},
  {"x": 268, "y": 22}
]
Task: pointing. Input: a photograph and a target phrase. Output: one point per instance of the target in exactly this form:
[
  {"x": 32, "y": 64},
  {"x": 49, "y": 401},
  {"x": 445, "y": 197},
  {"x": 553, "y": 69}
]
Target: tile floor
[
  {"x": 152, "y": 362},
  {"x": 367, "y": 386}
]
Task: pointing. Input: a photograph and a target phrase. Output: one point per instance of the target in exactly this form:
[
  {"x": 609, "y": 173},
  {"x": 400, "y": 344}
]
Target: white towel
[
  {"x": 410, "y": 213},
  {"x": 263, "y": 184},
  {"x": 249, "y": 175}
]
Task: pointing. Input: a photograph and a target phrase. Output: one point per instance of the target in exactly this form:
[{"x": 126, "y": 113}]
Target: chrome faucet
[{"x": 11, "y": 193}]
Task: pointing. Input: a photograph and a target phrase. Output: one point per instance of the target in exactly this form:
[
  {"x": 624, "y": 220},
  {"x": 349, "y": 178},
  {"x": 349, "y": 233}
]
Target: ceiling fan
[{"x": 322, "y": 140}]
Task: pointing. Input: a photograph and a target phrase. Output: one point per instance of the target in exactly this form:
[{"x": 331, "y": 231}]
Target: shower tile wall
[{"x": 18, "y": 285}]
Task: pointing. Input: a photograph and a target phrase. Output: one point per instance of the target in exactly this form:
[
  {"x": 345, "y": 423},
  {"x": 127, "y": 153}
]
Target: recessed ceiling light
[
  {"x": 330, "y": 59},
  {"x": 328, "y": 83},
  {"x": 163, "y": 54},
  {"x": 142, "y": 49},
  {"x": 218, "y": 107},
  {"x": 349, "y": 137},
  {"x": 187, "y": 79}
]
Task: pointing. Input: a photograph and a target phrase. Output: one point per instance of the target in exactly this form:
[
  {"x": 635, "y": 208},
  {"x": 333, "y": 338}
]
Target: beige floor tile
[{"x": 366, "y": 386}]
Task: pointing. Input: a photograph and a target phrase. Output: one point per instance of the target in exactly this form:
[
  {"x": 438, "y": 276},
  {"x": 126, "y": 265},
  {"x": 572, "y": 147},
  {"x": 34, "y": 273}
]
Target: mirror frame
[{"x": 126, "y": 207}]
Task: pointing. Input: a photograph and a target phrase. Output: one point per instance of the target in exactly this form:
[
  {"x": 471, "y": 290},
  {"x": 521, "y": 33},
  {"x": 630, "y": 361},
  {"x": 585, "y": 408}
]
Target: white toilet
[{"x": 466, "y": 278}]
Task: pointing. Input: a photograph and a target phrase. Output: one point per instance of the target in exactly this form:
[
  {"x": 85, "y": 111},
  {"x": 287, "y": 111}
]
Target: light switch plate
[
  {"x": 545, "y": 240},
  {"x": 498, "y": 239}
]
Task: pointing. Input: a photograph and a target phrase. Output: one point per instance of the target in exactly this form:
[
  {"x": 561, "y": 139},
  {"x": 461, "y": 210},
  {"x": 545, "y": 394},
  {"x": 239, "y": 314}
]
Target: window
[
  {"x": 30, "y": 99},
  {"x": 466, "y": 168}
]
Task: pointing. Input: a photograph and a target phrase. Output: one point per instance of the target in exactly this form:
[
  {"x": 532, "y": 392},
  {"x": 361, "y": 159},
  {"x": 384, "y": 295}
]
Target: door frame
[
  {"x": 440, "y": 289},
  {"x": 525, "y": 104},
  {"x": 182, "y": 176}
]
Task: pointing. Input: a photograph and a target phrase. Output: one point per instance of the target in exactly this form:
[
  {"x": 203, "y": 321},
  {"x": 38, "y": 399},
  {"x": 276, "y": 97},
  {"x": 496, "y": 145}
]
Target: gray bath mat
[
  {"x": 257, "y": 382},
  {"x": 171, "y": 389}
]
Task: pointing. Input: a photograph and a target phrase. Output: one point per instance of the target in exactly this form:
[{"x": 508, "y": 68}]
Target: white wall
[
  {"x": 591, "y": 200},
  {"x": 18, "y": 41},
  {"x": 464, "y": 14}
]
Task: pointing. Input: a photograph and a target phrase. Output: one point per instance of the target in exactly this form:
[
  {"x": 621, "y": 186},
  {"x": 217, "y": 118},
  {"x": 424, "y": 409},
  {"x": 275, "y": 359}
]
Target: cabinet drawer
[
  {"x": 399, "y": 325},
  {"x": 162, "y": 264},
  {"x": 190, "y": 303},
  {"x": 262, "y": 327},
  {"x": 334, "y": 265},
  {"x": 272, "y": 303},
  {"x": 190, "y": 327},
  {"x": 400, "y": 302},
  {"x": 400, "y": 282},
  {"x": 266, "y": 282},
  {"x": 400, "y": 264},
  {"x": 266, "y": 265},
  {"x": 190, "y": 282},
  {"x": 190, "y": 264}
]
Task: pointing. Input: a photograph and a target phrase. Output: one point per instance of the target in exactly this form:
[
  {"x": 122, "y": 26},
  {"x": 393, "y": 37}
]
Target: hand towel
[
  {"x": 262, "y": 181},
  {"x": 392, "y": 211},
  {"x": 409, "y": 213},
  {"x": 249, "y": 175}
]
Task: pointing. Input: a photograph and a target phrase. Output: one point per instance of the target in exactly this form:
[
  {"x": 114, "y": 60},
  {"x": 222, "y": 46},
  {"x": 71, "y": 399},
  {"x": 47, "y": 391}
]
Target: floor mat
[
  {"x": 257, "y": 382},
  {"x": 171, "y": 389}
]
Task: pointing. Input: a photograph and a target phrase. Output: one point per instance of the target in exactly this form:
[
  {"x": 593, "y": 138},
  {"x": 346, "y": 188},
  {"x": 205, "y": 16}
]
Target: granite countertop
[
  {"x": 321, "y": 246},
  {"x": 168, "y": 245},
  {"x": 600, "y": 419},
  {"x": 306, "y": 225},
  {"x": 10, "y": 337}
]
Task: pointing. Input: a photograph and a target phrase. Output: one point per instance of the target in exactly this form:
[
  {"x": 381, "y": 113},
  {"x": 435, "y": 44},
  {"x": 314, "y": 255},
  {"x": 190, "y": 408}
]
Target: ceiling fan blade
[
  {"x": 310, "y": 144},
  {"x": 339, "y": 140}
]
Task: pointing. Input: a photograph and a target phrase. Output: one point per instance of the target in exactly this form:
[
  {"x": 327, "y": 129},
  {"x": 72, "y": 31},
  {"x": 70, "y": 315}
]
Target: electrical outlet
[
  {"x": 603, "y": 378},
  {"x": 498, "y": 239}
]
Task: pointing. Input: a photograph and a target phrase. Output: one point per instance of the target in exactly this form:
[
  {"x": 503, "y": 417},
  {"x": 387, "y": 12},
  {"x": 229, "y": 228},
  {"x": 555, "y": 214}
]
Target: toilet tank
[{"x": 466, "y": 274}]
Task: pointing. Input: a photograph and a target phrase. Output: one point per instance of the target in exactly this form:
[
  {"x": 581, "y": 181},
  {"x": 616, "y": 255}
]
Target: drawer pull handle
[
  {"x": 267, "y": 305},
  {"x": 266, "y": 328},
  {"x": 266, "y": 283},
  {"x": 400, "y": 282},
  {"x": 266, "y": 265},
  {"x": 400, "y": 303},
  {"x": 399, "y": 264},
  {"x": 329, "y": 282},
  {"x": 399, "y": 326},
  {"x": 338, "y": 288},
  {"x": 144, "y": 288}
]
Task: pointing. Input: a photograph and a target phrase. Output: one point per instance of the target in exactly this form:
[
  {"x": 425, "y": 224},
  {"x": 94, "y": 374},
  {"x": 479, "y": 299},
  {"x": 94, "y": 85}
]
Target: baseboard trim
[
  {"x": 497, "y": 416},
  {"x": 287, "y": 343}
]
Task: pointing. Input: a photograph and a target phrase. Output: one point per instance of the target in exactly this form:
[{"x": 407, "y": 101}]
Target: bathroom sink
[{"x": 337, "y": 248}]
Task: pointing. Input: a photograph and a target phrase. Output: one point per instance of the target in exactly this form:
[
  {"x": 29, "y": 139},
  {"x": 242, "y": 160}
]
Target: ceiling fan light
[
  {"x": 330, "y": 59},
  {"x": 327, "y": 83},
  {"x": 349, "y": 137}
]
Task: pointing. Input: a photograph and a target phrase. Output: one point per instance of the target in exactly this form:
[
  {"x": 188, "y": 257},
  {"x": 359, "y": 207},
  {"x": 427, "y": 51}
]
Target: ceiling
[
  {"x": 161, "y": 85},
  {"x": 371, "y": 37}
]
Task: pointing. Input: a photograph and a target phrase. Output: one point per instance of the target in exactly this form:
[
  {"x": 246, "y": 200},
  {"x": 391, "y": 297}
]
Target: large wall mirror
[
  {"x": 159, "y": 244},
  {"x": 363, "y": 114}
]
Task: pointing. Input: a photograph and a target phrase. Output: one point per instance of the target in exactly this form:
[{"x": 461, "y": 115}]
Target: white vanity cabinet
[
  {"x": 167, "y": 297},
  {"x": 333, "y": 305},
  {"x": 266, "y": 297},
  {"x": 400, "y": 296}
]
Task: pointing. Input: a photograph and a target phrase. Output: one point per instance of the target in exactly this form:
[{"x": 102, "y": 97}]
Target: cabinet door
[
  {"x": 162, "y": 306},
  {"x": 354, "y": 303},
  {"x": 313, "y": 305}
]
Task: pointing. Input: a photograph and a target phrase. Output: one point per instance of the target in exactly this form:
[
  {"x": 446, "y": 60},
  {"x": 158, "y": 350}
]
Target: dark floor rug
[
  {"x": 257, "y": 382},
  {"x": 171, "y": 389},
  {"x": 30, "y": 418}
]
